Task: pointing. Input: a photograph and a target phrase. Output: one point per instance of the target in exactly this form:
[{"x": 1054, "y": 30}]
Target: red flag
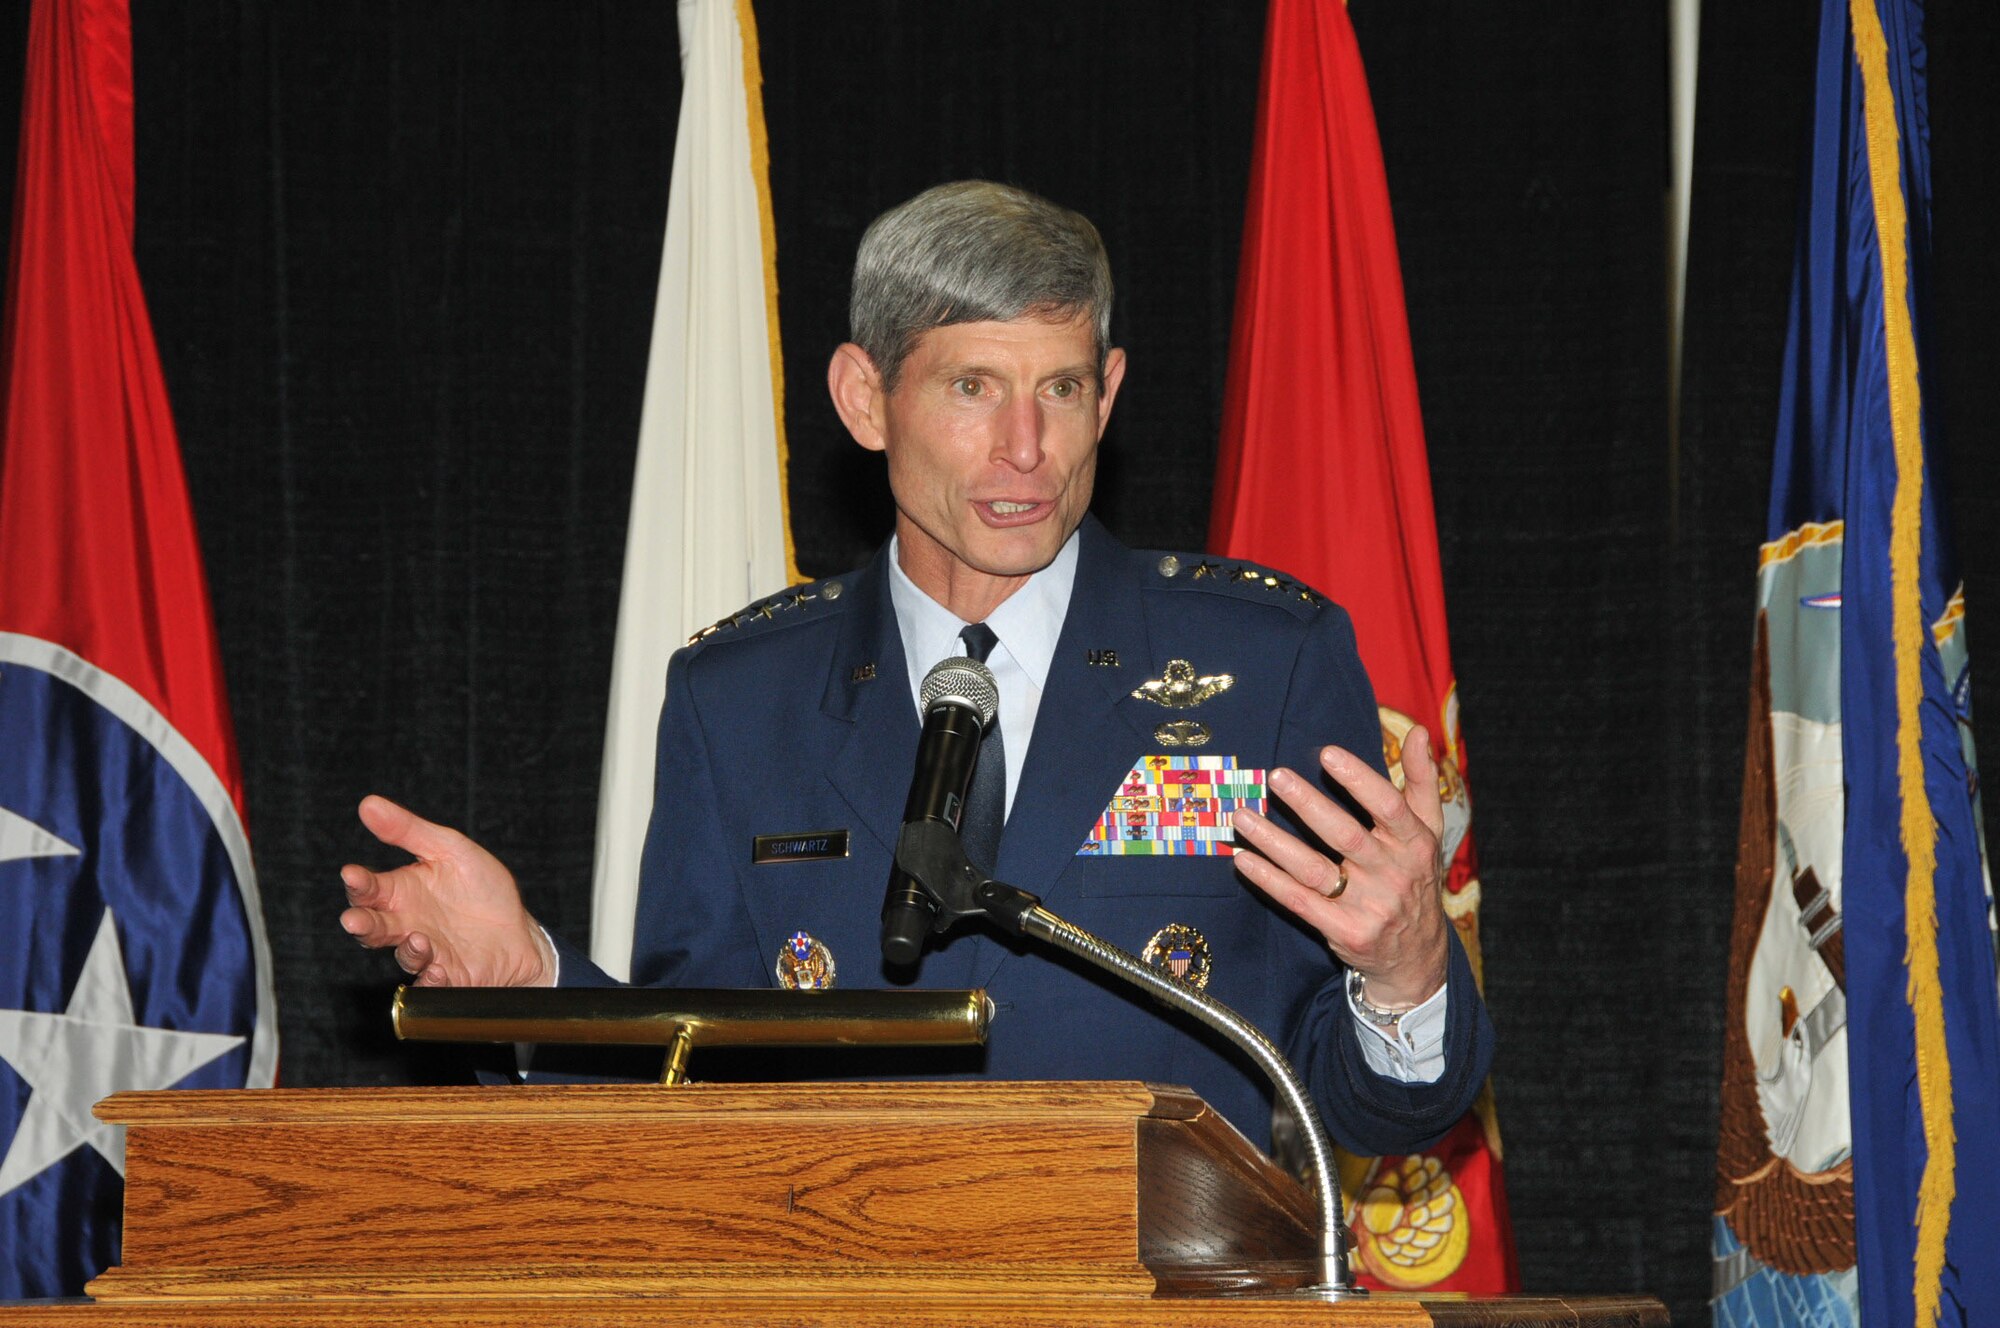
[
  {"x": 97, "y": 541},
  {"x": 132, "y": 950},
  {"x": 1322, "y": 472}
]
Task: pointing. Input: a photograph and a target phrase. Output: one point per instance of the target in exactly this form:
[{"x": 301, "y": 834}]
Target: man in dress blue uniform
[{"x": 1183, "y": 747}]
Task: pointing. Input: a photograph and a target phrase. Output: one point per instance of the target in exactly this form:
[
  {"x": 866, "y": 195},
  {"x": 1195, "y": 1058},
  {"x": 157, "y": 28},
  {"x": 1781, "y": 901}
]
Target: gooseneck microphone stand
[{"x": 928, "y": 852}]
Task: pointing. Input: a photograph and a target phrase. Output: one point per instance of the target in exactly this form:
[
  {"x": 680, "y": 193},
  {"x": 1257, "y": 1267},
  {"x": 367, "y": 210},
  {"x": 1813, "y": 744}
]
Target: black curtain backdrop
[{"x": 401, "y": 262}]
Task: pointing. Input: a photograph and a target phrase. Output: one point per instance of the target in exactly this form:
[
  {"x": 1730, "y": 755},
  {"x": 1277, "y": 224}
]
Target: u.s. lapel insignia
[
  {"x": 1180, "y": 951},
  {"x": 1181, "y": 733},
  {"x": 1180, "y": 688},
  {"x": 805, "y": 964}
]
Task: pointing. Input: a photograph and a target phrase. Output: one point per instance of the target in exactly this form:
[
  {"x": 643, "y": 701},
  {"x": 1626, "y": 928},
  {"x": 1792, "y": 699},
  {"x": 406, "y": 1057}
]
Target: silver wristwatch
[{"x": 1357, "y": 987}]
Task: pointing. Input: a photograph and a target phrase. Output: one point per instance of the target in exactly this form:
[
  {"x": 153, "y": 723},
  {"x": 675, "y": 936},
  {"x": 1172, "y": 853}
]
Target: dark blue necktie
[{"x": 986, "y": 803}]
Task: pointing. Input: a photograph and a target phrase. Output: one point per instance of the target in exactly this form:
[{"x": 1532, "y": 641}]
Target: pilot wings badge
[{"x": 1179, "y": 688}]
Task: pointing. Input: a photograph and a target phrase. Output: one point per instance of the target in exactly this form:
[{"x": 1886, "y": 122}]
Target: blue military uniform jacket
[{"x": 794, "y": 718}]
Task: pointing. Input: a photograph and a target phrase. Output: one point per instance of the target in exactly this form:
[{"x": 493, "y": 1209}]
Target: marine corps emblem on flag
[
  {"x": 1415, "y": 1226},
  {"x": 1452, "y": 790},
  {"x": 1410, "y": 1221}
]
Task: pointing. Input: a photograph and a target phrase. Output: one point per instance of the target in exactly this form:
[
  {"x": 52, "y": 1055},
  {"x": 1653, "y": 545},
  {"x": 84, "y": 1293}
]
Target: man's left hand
[{"x": 1379, "y": 904}]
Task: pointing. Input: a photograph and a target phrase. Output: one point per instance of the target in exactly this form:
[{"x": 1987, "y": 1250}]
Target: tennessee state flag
[
  {"x": 1322, "y": 472},
  {"x": 132, "y": 951}
]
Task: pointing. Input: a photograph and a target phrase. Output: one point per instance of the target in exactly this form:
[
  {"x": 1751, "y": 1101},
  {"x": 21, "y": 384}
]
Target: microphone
[{"x": 959, "y": 700}]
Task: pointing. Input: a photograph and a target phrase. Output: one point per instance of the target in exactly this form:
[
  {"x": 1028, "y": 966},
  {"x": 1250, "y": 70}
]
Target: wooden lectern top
[{"x": 988, "y": 1204}]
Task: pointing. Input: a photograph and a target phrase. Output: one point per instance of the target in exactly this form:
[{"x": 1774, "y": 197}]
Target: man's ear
[
  {"x": 856, "y": 388},
  {"x": 1114, "y": 374}
]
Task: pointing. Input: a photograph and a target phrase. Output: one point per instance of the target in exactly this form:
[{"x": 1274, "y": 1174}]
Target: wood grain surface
[
  {"x": 229, "y": 1106},
  {"x": 857, "y": 1311},
  {"x": 1050, "y": 1189},
  {"x": 1003, "y": 1205},
  {"x": 1206, "y": 1195}
]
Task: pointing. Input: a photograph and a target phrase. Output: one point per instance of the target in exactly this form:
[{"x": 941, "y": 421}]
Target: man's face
[{"x": 991, "y": 437}]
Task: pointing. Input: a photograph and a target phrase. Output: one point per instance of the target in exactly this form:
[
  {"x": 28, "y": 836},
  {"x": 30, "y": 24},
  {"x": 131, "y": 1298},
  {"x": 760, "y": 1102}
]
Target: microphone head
[{"x": 961, "y": 680}]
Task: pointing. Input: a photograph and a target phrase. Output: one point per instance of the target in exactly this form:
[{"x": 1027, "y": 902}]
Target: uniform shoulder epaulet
[
  {"x": 794, "y": 604},
  {"x": 1230, "y": 576}
]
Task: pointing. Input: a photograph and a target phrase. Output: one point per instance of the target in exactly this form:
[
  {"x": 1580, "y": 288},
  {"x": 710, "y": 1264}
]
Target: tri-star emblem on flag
[{"x": 132, "y": 946}]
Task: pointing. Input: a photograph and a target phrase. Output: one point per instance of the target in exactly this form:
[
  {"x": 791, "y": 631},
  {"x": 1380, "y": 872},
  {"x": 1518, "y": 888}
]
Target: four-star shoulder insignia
[
  {"x": 1245, "y": 579},
  {"x": 770, "y": 610},
  {"x": 1258, "y": 576},
  {"x": 719, "y": 625},
  {"x": 1246, "y": 576}
]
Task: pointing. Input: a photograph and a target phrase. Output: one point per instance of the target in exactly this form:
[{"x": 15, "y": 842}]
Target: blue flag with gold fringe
[{"x": 1860, "y": 1136}]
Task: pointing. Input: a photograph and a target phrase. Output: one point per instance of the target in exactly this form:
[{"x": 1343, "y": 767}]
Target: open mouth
[{"x": 1012, "y": 512}]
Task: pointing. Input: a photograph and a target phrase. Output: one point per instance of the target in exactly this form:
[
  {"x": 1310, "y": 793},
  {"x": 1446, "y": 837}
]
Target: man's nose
[{"x": 1019, "y": 442}]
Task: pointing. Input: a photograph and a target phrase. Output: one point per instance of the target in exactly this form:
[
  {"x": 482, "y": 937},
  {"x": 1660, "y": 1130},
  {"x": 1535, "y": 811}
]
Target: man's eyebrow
[
  {"x": 945, "y": 373},
  {"x": 969, "y": 369},
  {"x": 964, "y": 369}
]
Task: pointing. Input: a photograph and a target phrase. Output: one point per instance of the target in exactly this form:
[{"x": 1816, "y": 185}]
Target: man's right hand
[{"x": 454, "y": 915}]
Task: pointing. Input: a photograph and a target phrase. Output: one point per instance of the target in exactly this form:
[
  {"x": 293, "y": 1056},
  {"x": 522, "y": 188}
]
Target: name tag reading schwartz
[{"x": 806, "y": 846}]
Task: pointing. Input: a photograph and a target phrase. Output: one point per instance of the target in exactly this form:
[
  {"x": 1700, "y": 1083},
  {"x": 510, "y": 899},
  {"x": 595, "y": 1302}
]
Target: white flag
[{"x": 708, "y": 528}]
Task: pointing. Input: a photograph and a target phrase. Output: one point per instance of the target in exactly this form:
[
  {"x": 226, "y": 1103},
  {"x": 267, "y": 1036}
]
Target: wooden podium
[{"x": 997, "y": 1205}]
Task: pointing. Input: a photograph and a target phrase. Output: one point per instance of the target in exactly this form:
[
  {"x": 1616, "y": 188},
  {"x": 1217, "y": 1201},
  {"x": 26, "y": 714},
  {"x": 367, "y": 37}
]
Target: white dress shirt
[{"x": 1027, "y": 623}]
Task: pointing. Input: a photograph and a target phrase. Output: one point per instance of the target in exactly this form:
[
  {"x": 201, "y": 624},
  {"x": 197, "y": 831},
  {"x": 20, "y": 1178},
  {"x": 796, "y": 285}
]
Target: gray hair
[{"x": 970, "y": 252}]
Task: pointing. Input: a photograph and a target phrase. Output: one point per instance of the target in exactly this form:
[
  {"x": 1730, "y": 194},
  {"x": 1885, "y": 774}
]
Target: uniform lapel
[
  {"x": 1088, "y": 730},
  {"x": 868, "y": 686}
]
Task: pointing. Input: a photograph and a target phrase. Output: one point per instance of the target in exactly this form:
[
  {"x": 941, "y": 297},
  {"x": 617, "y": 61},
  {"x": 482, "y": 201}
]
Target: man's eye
[
  {"x": 1063, "y": 388},
  {"x": 968, "y": 387}
]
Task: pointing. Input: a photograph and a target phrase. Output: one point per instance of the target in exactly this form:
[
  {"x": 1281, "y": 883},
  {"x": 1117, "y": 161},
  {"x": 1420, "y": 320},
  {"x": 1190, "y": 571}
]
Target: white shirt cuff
[
  {"x": 555, "y": 957},
  {"x": 1413, "y": 1051}
]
